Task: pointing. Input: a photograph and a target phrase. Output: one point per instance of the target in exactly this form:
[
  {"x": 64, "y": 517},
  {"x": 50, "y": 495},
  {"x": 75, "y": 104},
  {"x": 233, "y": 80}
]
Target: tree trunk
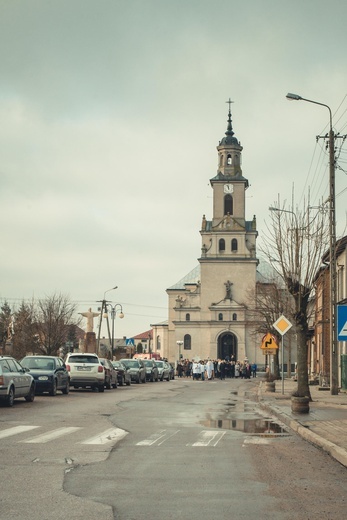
[{"x": 303, "y": 386}]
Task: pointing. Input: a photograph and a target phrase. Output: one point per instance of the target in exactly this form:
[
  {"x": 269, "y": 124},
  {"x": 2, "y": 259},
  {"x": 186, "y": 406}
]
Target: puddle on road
[{"x": 250, "y": 426}]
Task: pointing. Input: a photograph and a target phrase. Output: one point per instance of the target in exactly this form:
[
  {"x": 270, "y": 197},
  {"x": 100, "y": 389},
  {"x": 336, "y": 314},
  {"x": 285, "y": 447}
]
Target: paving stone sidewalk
[{"x": 324, "y": 426}]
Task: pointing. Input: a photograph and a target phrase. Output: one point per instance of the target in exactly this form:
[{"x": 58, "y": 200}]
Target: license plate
[{"x": 85, "y": 369}]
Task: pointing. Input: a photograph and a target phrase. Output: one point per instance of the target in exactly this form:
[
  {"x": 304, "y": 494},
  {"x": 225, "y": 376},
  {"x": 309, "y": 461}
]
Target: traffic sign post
[{"x": 282, "y": 325}]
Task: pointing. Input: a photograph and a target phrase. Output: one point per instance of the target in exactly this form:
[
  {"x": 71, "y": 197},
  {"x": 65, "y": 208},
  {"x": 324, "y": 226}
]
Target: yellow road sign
[{"x": 269, "y": 342}]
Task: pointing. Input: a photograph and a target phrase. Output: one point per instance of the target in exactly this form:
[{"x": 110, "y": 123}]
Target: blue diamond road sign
[{"x": 342, "y": 322}]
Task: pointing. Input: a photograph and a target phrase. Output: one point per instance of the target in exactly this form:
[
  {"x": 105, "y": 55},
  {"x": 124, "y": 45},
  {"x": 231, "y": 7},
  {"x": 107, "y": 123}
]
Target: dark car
[
  {"x": 15, "y": 381},
  {"x": 124, "y": 377},
  {"x": 172, "y": 371},
  {"x": 136, "y": 369},
  {"x": 110, "y": 373},
  {"x": 152, "y": 373},
  {"x": 49, "y": 372}
]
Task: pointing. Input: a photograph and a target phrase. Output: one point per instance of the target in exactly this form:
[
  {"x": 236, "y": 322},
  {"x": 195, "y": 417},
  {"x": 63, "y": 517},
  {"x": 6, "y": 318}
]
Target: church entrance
[{"x": 227, "y": 346}]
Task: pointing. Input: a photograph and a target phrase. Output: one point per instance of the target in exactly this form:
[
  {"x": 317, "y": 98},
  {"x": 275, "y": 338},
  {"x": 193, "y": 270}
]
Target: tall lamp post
[
  {"x": 114, "y": 310},
  {"x": 102, "y": 310},
  {"x": 332, "y": 235}
]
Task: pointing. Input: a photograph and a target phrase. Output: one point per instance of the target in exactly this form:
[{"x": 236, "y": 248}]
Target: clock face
[{"x": 228, "y": 188}]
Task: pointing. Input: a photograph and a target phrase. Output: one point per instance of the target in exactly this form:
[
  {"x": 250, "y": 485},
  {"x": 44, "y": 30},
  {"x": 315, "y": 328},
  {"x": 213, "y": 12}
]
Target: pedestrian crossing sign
[{"x": 342, "y": 322}]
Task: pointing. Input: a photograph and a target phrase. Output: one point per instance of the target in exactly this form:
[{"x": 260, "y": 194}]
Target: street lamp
[
  {"x": 103, "y": 306},
  {"x": 332, "y": 235},
  {"x": 179, "y": 344},
  {"x": 113, "y": 309}
]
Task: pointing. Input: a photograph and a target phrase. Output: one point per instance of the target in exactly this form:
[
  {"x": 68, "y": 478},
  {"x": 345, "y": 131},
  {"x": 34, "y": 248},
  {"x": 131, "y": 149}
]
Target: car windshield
[
  {"x": 38, "y": 363},
  {"x": 83, "y": 359},
  {"x": 160, "y": 363},
  {"x": 148, "y": 363},
  {"x": 131, "y": 363}
]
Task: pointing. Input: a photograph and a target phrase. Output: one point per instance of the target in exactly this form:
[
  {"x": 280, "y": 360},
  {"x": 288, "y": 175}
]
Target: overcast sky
[{"x": 110, "y": 114}]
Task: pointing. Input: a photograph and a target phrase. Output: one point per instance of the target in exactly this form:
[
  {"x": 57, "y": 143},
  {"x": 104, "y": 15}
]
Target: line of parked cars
[{"x": 38, "y": 374}]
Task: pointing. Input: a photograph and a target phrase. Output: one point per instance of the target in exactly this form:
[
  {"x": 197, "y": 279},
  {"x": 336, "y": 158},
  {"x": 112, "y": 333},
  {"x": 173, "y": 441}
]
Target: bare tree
[
  {"x": 24, "y": 330},
  {"x": 54, "y": 316},
  {"x": 294, "y": 244}
]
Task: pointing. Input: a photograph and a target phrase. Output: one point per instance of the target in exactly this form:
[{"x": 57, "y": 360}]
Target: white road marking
[
  {"x": 49, "y": 436},
  {"x": 15, "y": 430},
  {"x": 161, "y": 436},
  {"x": 206, "y": 438},
  {"x": 111, "y": 435}
]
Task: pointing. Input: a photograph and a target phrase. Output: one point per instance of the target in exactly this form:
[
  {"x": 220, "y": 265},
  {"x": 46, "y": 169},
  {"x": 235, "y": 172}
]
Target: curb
[{"x": 335, "y": 451}]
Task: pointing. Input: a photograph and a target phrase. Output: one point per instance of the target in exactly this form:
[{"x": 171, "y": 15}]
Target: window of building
[
  {"x": 228, "y": 205},
  {"x": 220, "y": 316},
  {"x": 234, "y": 244},
  {"x": 221, "y": 244},
  {"x": 187, "y": 317},
  {"x": 187, "y": 342},
  {"x": 229, "y": 159},
  {"x": 234, "y": 316},
  {"x": 158, "y": 343}
]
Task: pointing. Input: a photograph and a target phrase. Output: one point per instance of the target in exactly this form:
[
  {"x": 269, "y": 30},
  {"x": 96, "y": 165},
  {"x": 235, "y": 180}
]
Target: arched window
[
  {"x": 228, "y": 205},
  {"x": 221, "y": 245},
  {"x": 158, "y": 343},
  {"x": 234, "y": 244},
  {"x": 220, "y": 316},
  {"x": 229, "y": 159},
  {"x": 187, "y": 317},
  {"x": 234, "y": 316},
  {"x": 187, "y": 342}
]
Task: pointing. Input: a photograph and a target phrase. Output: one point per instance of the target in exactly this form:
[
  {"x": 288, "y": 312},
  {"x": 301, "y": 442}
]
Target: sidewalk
[{"x": 324, "y": 426}]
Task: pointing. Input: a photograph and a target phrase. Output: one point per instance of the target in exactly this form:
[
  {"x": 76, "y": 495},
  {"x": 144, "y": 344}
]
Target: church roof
[{"x": 192, "y": 277}]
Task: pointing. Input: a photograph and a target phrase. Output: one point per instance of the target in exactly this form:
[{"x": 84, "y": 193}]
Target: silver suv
[
  {"x": 15, "y": 381},
  {"x": 85, "y": 370}
]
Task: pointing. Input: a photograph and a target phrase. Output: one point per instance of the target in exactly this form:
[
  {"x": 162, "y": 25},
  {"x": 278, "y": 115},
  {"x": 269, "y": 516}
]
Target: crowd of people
[{"x": 216, "y": 369}]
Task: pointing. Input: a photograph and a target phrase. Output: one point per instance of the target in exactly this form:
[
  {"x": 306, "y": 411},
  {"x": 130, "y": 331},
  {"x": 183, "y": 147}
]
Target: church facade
[{"x": 210, "y": 309}]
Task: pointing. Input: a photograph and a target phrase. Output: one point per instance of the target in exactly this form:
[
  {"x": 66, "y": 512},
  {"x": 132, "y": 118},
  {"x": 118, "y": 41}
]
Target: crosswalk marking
[
  {"x": 161, "y": 436},
  {"x": 15, "y": 430},
  {"x": 206, "y": 438},
  {"x": 49, "y": 436},
  {"x": 111, "y": 435}
]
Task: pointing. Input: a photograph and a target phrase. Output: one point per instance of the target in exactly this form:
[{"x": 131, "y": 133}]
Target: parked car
[
  {"x": 15, "y": 381},
  {"x": 136, "y": 369},
  {"x": 164, "y": 370},
  {"x": 85, "y": 371},
  {"x": 152, "y": 373},
  {"x": 110, "y": 373},
  {"x": 49, "y": 372},
  {"x": 124, "y": 377}
]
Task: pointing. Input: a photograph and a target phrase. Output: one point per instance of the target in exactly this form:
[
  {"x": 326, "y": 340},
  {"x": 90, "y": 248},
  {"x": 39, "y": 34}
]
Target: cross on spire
[{"x": 229, "y": 103}]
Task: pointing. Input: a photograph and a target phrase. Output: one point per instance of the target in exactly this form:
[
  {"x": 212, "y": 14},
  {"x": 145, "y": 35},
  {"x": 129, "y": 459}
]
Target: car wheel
[
  {"x": 66, "y": 390},
  {"x": 10, "y": 397},
  {"x": 101, "y": 388},
  {"x": 31, "y": 395},
  {"x": 53, "y": 390}
]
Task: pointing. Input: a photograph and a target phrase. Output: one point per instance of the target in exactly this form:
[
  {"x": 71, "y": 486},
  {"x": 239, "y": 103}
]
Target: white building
[{"x": 209, "y": 309}]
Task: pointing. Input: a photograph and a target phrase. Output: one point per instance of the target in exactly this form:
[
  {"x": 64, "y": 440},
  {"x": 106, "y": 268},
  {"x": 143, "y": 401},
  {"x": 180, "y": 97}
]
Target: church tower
[{"x": 209, "y": 308}]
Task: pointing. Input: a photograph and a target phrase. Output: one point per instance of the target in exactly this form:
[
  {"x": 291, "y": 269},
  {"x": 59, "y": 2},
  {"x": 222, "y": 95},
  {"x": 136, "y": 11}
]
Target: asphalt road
[{"x": 178, "y": 449}]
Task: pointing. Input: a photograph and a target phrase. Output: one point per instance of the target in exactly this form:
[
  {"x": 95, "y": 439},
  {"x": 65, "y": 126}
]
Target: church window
[
  {"x": 234, "y": 244},
  {"x": 222, "y": 244},
  {"x": 158, "y": 343},
  {"x": 229, "y": 159},
  {"x": 234, "y": 316},
  {"x": 187, "y": 342},
  {"x": 228, "y": 205},
  {"x": 187, "y": 317},
  {"x": 220, "y": 316}
]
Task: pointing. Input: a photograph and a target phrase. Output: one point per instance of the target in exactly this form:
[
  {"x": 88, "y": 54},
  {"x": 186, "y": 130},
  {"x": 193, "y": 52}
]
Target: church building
[{"x": 210, "y": 309}]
